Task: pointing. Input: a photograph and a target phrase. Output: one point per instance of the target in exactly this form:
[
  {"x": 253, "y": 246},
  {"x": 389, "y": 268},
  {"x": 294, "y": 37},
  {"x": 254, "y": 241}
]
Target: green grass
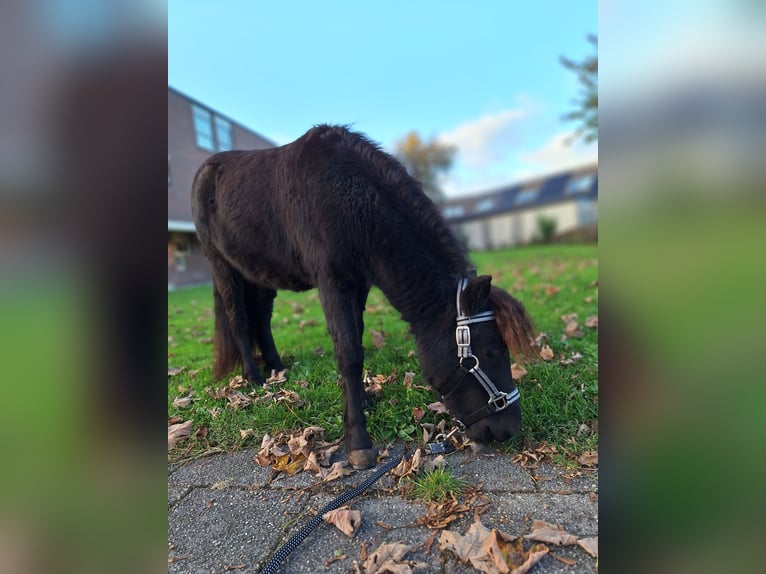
[
  {"x": 556, "y": 399},
  {"x": 436, "y": 485}
]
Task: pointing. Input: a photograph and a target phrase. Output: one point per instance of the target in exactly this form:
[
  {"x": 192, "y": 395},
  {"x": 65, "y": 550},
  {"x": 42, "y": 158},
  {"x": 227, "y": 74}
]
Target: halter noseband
[{"x": 498, "y": 400}]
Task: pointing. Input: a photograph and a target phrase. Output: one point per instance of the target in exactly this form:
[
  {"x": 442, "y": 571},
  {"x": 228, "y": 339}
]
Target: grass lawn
[{"x": 557, "y": 399}]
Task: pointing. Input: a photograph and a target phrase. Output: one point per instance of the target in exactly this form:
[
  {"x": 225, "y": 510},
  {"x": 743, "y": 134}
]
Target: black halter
[{"x": 498, "y": 400}]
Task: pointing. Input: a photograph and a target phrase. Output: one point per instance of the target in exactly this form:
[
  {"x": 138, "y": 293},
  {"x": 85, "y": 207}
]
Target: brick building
[{"x": 195, "y": 132}]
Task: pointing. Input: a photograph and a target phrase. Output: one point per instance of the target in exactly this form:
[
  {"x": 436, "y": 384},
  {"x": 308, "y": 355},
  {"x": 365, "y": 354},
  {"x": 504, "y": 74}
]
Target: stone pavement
[{"x": 222, "y": 514}]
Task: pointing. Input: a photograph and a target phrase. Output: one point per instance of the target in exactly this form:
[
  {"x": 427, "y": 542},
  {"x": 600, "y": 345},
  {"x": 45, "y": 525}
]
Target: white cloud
[
  {"x": 553, "y": 156},
  {"x": 558, "y": 155},
  {"x": 483, "y": 141}
]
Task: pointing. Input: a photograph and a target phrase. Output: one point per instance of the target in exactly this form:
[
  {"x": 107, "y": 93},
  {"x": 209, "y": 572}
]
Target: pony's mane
[
  {"x": 514, "y": 324},
  {"x": 407, "y": 189}
]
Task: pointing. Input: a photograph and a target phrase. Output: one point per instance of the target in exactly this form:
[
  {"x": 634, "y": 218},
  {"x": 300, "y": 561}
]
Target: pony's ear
[{"x": 476, "y": 294}]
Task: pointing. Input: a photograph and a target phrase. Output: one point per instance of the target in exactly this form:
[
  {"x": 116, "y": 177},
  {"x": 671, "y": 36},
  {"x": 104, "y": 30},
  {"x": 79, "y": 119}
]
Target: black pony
[{"x": 332, "y": 210}]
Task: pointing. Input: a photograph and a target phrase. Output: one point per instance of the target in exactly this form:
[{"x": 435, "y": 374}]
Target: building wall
[
  {"x": 187, "y": 265},
  {"x": 184, "y": 157},
  {"x": 519, "y": 227}
]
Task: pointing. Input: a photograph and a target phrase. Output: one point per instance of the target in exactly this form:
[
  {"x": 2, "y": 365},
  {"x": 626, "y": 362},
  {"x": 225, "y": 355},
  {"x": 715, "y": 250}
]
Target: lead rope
[{"x": 308, "y": 528}]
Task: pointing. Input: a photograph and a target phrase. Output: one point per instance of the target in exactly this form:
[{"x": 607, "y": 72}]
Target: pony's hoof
[{"x": 364, "y": 458}]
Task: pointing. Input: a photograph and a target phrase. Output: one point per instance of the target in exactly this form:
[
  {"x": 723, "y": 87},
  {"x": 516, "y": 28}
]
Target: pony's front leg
[{"x": 342, "y": 323}]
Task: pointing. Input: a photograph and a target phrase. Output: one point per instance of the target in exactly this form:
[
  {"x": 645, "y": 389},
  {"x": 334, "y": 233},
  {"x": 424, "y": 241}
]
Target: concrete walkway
[{"x": 224, "y": 517}]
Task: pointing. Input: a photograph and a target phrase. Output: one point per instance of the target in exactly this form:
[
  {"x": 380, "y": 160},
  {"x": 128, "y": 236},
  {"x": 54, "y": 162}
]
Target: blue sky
[{"x": 484, "y": 76}]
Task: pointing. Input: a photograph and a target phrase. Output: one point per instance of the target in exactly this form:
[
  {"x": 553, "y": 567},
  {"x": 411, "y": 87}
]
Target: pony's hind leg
[
  {"x": 340, "y": 309},
  {"x": 260, "y": 306},
  {"x": 230, "y": 287}
]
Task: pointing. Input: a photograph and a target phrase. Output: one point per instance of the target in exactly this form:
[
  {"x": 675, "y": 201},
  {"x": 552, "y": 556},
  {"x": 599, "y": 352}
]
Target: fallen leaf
[
  {"x": 244, "y": 433},
  {"x": 386, "y": 557},
  {"x": 573, "y": 330},
  {"x": 417, "y": 413},
  {"x": 337, "y": 470},
  {"x": 551, "y": 533},
  {"x": 178, "y": 432},
  {"x": 552, "y": 290},
  {"x": 517, "y": 371},
  {"x": 378, "y": 339},
  {"x": 563, "y": 560},
  {"x": 344, "y": 519},
  {"x": 465, "y": 546},
  {"x": 329, "y": 561},
  {"x": 573, "y": 359},
  {"x": 277, "y": 377},
  {"x": 546, "y": 353},
  {"x": 173, "y": 371},
  {"x": 588, "y": 458},
  {"x": 432, "y": 463},
  {"x": 590, "y": 545},
  {"x": 592, "y": 322},
  {"x": 438, "y": 407}
]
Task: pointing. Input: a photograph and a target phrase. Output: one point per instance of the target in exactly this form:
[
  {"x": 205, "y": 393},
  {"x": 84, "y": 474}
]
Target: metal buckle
[
  {"x": 463, "y": 340},
  {"x": 500, "y": 399}
]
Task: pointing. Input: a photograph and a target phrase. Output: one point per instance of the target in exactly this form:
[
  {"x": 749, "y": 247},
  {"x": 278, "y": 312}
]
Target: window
[
  {"x": 203, "y": 128},
  {"x": 581, "y": 184},
  {"x": 453, "y": 211},
  {"x": 223, "y": 133},
  {"x": 180, "y": 250},
  {"x": 485, "y": 205},
  {"x": 526, "y": 195}
]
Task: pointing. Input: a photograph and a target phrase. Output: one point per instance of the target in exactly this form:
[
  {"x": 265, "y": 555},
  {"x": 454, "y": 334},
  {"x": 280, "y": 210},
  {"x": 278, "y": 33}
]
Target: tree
[
  {"x": 425, "y": 161},
  {"x": 586, "y": 112}
]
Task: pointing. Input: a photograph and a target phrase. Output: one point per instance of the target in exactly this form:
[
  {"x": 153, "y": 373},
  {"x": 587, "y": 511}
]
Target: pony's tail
[
  {"x": 514, "y": 324},
  {"x": 225, "y": 352}
]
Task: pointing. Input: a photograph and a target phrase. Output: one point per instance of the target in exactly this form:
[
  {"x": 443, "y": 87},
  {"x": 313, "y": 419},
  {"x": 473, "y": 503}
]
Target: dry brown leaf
[
  {"x": 173, "y": 371},
  {"x": 588, "y": 458},
  {"x": 563, "y": 560},
  {"x": 590, "y": 545},
  {"x": 465, "y": 546},
  {"x": 337, "y": 470},
  {"x": 244, "y": 433},
  {"x": 386, "y": 555},
  {"x": 551, "y": 533},
  {"x": 521, "y": 561},
  {"x": 546, "y": 353},
  {"x": 435, "y": 462},
  {"x": 517, "y": 371},
  {"x": 573, "y": 330},
  {"x": 277, "y": 377},
  {"x": 178, "y": 432},
  {"x": 552, "y": 290},
  {"x": 592, "y": 322},
  {"x": 417, "y": 413},
  {"x": 438, "y": 407},
  {"x": 428, "y": 431},
  {"x": 573, "y": 359},
  {"x": 344, "y": 519},
  {"x": 182, "y": 402},
  {"x": 378, "y": 339}
]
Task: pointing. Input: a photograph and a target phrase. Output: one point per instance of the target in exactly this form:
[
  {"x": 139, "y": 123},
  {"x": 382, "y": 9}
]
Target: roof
[{"x": 580, "y": 183}]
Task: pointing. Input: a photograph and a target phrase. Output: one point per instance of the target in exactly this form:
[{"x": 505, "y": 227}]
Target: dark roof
[{"x": 554, "y": 188}]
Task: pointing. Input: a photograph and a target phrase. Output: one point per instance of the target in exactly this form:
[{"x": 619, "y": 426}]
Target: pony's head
[{"x": 490, "y": 326}]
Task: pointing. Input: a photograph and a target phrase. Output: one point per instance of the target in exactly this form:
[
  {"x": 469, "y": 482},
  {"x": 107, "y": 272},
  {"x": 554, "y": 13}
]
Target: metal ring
[{"x": 471, "y": 356}]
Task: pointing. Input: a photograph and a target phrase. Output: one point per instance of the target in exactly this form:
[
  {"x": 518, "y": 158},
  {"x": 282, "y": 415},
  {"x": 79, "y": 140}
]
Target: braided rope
[{"x": 308, "y": 528}]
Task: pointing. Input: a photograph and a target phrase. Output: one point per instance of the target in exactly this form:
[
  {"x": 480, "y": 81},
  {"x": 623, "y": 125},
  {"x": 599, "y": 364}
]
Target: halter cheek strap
[{"x": 498, "y": 400}]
